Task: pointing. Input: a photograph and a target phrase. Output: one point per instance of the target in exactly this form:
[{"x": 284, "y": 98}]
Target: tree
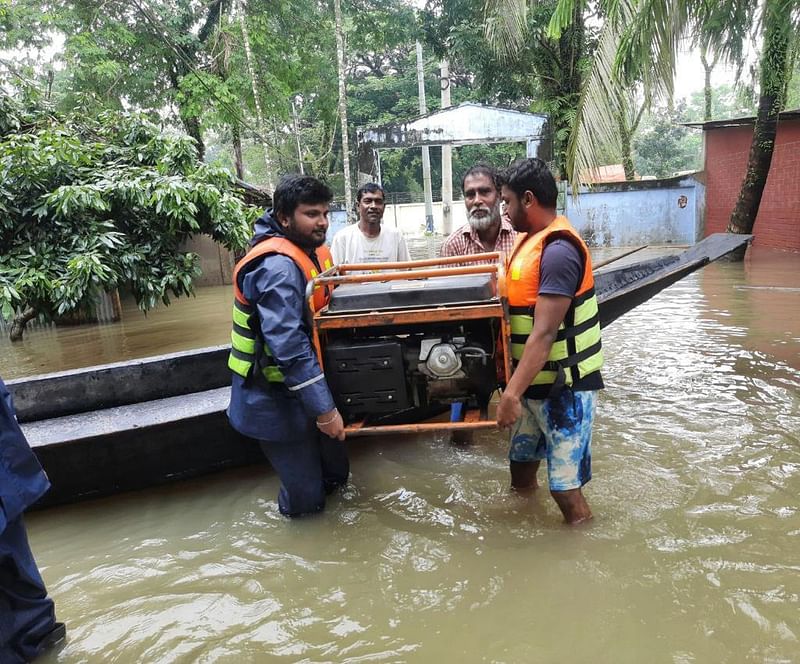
[
  {"x": 514, "y": 58},
  {"x": 780, "y": 38},
  {"x": 664, "y": 146},
  {"x": 93, "y": 204}
]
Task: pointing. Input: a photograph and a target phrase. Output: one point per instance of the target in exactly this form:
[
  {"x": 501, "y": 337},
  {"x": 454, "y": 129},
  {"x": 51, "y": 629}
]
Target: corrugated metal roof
[
  {"x": 465, "y": 124},
  {"x": 740, "y": 122}
]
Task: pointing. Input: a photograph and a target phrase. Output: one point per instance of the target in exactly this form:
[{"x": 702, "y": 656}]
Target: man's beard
[
  {"x": 303, "y": 241},
  {"x": 482, "y": 223}
]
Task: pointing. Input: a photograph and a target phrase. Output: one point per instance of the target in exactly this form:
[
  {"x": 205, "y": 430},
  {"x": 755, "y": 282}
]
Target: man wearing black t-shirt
[{"x": 549, "y": 401}]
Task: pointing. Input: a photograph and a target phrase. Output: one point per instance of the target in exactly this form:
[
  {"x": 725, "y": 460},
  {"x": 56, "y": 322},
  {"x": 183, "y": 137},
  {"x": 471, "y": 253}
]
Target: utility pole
[
  {"x": 348, "y": 198},
  {"x": 447, "y": 158},
  {"x": 297, "y": 138},
  {"x": 426, "y": 157}
]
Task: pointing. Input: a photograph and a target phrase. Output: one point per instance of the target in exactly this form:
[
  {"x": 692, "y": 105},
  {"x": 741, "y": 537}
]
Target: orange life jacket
[
  {"x": 280, "y": 245},
  {"x": 244, "y": 353},
  {"x": 577, "y": 349}
]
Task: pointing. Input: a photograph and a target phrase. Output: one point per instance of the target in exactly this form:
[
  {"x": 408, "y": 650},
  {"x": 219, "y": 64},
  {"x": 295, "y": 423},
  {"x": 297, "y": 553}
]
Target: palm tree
[
  {"x": 779, "y": 34},
  {"x": 639, "y": 42}
]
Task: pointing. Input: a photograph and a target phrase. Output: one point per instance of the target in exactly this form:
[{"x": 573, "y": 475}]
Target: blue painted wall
[{"x": 653, "y": 212}]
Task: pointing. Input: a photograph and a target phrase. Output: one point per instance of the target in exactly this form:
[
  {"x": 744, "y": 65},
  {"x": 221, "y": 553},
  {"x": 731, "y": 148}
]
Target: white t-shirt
[{"x": 350, "y": 245}]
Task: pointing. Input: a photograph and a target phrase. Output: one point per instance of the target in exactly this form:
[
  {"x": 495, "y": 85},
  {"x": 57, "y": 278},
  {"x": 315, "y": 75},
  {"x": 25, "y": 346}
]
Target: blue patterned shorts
[{"x": 559, "y": 430}]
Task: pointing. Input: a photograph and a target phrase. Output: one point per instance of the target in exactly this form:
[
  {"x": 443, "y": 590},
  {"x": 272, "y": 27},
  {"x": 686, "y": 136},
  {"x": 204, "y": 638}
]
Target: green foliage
[
  {"x": 726, "y": 102},
  {"x": 664, "y": 147},
  {"x": 89, "y": 204}
]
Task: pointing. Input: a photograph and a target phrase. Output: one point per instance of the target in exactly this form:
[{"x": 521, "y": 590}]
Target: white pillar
[
  {"x": 426, "y": 157},
  {"x": 447, "y": 158}
]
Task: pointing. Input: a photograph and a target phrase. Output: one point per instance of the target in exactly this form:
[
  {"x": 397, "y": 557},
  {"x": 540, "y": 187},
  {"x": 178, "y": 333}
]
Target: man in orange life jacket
[
  {"x": 279, "y": 395},
  {"x": 549, "y": 402}
]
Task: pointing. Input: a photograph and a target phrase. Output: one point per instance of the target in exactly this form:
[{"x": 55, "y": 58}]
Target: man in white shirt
[{"x": 368, "y": 241}]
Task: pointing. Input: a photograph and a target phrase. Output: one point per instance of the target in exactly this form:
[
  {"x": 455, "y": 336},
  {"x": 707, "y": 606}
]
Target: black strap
[
  {"x": 577, "y": 358},
  {"x": 563, "y": 334},
  {"x": 575, "y": 330},
  {"x": 578, "y": 300},
  {"x": 244, "y": 331},
  {"x": 239, "y": 355}
]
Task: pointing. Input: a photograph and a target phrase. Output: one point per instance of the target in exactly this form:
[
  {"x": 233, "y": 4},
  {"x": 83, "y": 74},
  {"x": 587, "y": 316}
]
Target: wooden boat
[{"x": 105, "y": 429}]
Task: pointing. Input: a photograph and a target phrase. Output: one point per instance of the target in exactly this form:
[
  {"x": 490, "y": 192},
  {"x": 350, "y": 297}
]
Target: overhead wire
[{"x": 156, "y": 23}]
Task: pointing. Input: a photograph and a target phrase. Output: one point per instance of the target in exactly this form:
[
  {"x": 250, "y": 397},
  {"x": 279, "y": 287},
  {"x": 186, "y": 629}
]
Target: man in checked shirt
[{"x": 486, "y": 228}]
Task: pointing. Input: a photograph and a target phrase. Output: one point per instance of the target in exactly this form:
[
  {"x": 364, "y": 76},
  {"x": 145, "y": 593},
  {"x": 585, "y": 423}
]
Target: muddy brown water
[{"x": 694, "y": 554}]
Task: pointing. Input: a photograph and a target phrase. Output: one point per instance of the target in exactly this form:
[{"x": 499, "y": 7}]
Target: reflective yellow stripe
[
  {"x": 273, "y": 374},
  {"x": 588, "y": 338},
  {"x": 585, "y": 311},
  {"x": 246, "y": 346},
  {"x": 328, "y": 264},
  {"x": 516, "y": 269},
  {"x": 591, "y": 364},
  {"x": 238, "y": 366},
  {"x": 521, "y": 324},
  {"x": 240, "y": 317},
  {"x": 549, "y": 377},
  {"x": 558, "y": 351},
  {"x": 243, "y": 344}
]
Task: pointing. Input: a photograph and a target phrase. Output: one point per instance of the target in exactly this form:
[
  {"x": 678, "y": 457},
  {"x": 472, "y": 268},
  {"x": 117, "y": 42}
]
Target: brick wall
[{"x": 778, "y": 221}]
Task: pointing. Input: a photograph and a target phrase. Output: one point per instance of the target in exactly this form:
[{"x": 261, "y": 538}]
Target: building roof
[
  {"x": 793, "y": 114},
  {"x": 465, "y": 124},
  {"x": 608, "y": 173}
]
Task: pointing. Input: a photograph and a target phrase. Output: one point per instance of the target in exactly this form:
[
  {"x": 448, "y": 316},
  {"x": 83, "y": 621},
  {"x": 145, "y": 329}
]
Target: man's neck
[
  {"x": 368, "y": 229},
  {"x": 488, "y": 236},
  {"x": 542, "y": 220}
]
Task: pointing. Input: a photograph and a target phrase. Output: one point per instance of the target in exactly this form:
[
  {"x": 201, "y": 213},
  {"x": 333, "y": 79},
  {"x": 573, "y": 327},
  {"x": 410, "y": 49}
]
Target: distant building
[
  {"x": 608, "y": 173},
  {"x": 726, "y": 148}
]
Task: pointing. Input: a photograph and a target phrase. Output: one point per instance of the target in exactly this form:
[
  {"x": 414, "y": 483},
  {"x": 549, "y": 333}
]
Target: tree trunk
[
  {"x": 625, "y": 146},
  {"x": 192, "y": 126},
  {"x": 236, "y": 139},
  {"x": 348, "y": 197},
  {"x": 20, "y": 323},
  {"x": 256, "y": 100},
  {"x": 707, "y": 84},
  {"x": 773, "y": 72},
  {"x": 296, "y": 126}
]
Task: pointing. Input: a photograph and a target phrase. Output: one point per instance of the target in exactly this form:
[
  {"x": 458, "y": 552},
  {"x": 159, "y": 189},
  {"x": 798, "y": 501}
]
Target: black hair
[
  {"x": 534, "y": 176},
  {"x": 369, "y": 188},
  {"x": 294, "y": 190},
  {"x": 482, "y": 169}
]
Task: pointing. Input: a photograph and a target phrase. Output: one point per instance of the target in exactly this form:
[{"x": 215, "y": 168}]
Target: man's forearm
[{"x": 534, "y": 356}]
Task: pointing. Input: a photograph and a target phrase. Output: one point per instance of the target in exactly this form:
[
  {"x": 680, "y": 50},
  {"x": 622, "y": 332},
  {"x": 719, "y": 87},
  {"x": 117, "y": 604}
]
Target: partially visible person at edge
[
  {"x": 279, "y": 395},
  {"x": 486, "y": 229},
  {"x": 369, "y": 241},
  {"x": 28, "y": 625},
  {"x": 549, "y": 402}
]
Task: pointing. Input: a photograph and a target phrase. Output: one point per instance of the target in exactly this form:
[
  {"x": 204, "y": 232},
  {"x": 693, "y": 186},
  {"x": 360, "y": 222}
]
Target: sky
[{"x": 689, "y": 70}]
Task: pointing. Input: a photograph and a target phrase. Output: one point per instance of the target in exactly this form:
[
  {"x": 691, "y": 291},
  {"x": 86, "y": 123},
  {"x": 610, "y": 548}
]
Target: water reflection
[{"x": 693, "y": 555}]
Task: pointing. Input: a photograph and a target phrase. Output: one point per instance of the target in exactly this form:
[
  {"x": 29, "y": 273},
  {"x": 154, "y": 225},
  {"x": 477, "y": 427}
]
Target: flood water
[{"x": 693, "y": 555}]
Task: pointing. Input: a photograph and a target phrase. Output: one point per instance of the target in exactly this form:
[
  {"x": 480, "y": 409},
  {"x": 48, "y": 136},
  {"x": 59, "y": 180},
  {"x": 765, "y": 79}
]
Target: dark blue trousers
[
  {"x": 27, "y": 615},
  {"x": 309, "y": 467}
]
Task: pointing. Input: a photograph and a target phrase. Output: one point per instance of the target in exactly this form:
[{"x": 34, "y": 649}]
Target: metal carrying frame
[{"x": 433, "y": 268}]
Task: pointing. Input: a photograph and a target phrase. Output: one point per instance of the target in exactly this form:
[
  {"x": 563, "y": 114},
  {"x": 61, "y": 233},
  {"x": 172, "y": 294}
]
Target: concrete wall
[
  {"x": 409, "y": 218},
  {"x": 622, "y": 214},
  {"x": 216, "y": 261},
  {"x": 778, "y": 221}
]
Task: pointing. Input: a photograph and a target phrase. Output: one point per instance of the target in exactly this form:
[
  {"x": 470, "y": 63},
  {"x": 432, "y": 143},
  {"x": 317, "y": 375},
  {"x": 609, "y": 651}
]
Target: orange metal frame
[{"x": 324, "y": 320}]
